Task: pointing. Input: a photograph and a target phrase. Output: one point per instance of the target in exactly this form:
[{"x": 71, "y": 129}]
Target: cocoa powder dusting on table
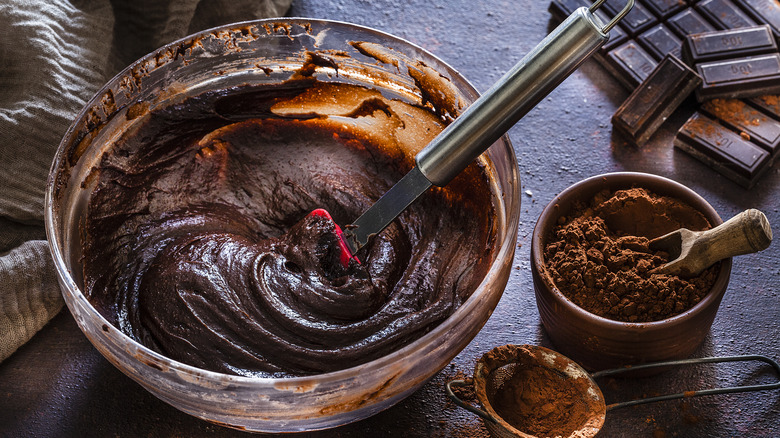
[
  {"x": 541, "y": 402},
  {"x": 599, "y": 258},
  {"x": 464, "y": 392}
]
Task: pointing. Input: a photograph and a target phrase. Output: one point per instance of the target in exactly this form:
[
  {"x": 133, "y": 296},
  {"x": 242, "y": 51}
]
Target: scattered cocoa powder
[
  {"x": 466, "y": 391},
  {"x": 772, "y": 100},
  {"x": 698, "y": 127},
  {"x": 599, "y": 257},
  {"x": 689, "y": 414},
  {"x": 734, "y": 111},
  {"x": 541, "y": 402}
]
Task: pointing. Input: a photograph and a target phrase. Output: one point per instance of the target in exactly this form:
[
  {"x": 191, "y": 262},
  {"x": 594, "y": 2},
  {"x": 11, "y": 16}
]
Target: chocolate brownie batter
[
  {"x": 600, "y": 259},
  {"x": 199, "y": 242}
]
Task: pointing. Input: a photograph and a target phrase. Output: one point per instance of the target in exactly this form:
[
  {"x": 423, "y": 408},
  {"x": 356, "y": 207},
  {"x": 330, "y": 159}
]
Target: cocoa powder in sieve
[
  {"x": 598, "y": 256},
  {"x": 540, "y": 401}
]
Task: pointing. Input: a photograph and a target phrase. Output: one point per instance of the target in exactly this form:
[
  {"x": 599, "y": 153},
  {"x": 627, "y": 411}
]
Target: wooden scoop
[{"x": 695, "y": 251}]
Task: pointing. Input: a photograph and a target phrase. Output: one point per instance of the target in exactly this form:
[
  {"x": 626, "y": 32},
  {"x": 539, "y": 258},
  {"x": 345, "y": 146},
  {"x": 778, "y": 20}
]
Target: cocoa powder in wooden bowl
[{"x": 597, "y": 300}]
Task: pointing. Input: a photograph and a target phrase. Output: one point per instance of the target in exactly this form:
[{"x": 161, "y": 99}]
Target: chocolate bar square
[
  {"x": 770, "y": 104},
  {"x": 688, "y": 22},
  {"x": 723, "y": 150},
  {"x": 665, "y": 8},
  {"x": 655, "y": 99},
  {"x": 638, "y": 19},
  {"x": 724, "y": 14},
  {"x": 660, "y": 41},
  {"x": 630, "y": 63}
]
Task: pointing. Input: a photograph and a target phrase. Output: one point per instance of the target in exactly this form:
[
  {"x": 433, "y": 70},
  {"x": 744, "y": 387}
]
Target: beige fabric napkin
[{"x": 54, "y": 55}]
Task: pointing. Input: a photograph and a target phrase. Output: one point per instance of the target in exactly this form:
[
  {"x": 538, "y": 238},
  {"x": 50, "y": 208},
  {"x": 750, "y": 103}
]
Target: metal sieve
[{"x": 497, "y": 372}]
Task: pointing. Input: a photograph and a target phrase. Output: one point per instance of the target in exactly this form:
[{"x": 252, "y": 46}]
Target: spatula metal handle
[
  {"x": 516, "y": 93},
  {"x": 489, "y": 117}
]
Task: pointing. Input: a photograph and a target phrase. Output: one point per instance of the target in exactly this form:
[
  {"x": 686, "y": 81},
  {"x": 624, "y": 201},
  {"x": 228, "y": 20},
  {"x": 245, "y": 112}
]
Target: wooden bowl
[{"x": 596, "y": 342}]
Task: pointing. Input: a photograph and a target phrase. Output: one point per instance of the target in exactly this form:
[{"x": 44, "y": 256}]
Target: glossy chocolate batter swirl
[{"x": 200, "y": 245}]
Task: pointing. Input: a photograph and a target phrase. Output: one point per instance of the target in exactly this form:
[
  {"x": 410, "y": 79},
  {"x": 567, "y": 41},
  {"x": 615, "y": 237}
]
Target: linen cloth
[{"x": 54, "y": 55}]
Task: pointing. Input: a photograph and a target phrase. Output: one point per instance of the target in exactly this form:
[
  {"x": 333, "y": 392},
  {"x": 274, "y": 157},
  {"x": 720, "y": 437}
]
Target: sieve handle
[
  {"x": 479, "y": 412},
  {"x": 688, "y": 394}
]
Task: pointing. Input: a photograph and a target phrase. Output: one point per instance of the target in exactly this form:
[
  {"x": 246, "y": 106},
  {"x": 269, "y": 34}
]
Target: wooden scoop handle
[{"x": 744, "y": 233}]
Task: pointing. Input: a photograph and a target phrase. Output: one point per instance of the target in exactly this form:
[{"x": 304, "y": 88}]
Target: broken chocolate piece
[
  {"x": 688, "y": 22},
  {"x": 723, "y": 150},
  {"x": 655, "y": 99},
  {"x": 742, "y": 77},
  {"x": 728, "y": 44}
]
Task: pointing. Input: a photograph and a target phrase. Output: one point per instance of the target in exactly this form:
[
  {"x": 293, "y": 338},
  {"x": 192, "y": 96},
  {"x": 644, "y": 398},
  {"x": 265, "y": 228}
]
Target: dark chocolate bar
[
  {"x": 764, "y": 11},
  {"x": 742, "y": 77},
  {"x": 723, "y": 150},
  {"x": 681, "y": 17},
  {"x": 659, "y": 41},
  {"x": 749, "y": 122},
  {"x": 728, "y": 44},
  {"x": 724, "y": 14},
  {"x": 632, "y": 60},
  {"x": 630, "y": 56},
  {"x": 688, "y": 22},
  {"x": 655, "y": 99}
]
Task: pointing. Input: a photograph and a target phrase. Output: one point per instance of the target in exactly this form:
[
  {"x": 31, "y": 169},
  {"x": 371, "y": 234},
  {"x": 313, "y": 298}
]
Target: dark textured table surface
[{"x": 59, "y": 385}]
